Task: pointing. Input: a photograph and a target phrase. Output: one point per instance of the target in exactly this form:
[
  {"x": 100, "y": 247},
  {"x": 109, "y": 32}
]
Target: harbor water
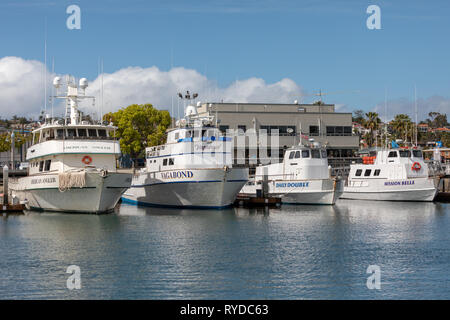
[{"x": 295, "y": 252}]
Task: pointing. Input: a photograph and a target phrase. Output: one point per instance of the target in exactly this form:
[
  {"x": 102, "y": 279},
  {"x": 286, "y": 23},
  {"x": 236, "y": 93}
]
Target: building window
[
  {"x": 339, "y": 131},
  {"x": 279, "y": 130},
  {"x": 313, "y": 130},
  {"x": 358, "y": 172},
  {"x": 377, "y": 172},
  {"x": 367, "y": 173}
]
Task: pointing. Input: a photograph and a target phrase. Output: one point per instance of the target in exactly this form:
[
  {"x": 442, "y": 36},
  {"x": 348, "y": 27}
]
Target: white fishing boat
[
  {"x": 303, "y": 177},
  {"x": 392, "y": 175},
  {"x": 193, "y": 169},
  {"x": 72, "y": 162}
]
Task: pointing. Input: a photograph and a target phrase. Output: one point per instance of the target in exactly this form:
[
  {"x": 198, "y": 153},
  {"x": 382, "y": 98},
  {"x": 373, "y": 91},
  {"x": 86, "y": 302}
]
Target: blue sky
[{"x": 317, "y": 44}]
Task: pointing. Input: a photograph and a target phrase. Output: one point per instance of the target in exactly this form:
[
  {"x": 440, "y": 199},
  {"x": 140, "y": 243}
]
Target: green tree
[
  {"x": 5, "y": 143},
  {"x": 437, "y": 120},
  {"x": 372, "y": 122},
  {"x": 139, "y": 126},
  {"x": 401, "y": 125},
  {"x": 358, "y": 117}
]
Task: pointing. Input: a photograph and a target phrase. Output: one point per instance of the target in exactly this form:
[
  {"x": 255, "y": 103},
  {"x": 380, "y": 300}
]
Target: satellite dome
[
  {"x": 83, "y": 83},
  {"x": 57, "y": 82},
  {"x": 191, "y": 111}
]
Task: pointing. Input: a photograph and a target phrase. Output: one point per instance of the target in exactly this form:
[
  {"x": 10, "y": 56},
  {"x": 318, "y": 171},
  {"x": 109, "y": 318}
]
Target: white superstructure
[
  {"x": 72, "y": 163},
  {"x": 192, "y": 169},
  {"x": 303, "y": 177},
  {"x": 394, "y": 175}
]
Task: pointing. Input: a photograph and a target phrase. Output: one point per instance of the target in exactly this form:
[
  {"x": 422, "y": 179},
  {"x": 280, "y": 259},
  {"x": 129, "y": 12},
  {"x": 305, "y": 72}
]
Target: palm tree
[
  {"x": 401, "y": 125},
  {"x": 372, "y": 122}
]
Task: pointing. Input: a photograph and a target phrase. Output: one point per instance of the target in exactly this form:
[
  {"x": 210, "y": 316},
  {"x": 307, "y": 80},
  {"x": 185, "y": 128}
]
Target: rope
[{"x": 68, "y": 180}]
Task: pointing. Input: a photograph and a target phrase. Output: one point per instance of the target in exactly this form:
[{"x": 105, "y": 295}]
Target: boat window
[
  {"x": 291, "y": 155},
  {"x": 171, "y": 161},
  {"x": 377, "y": 172},
  {"x": 60, "y": 133},
  {"x": 324, "y": 153},
  {"x": 92, "y": 132},
  {"x": 102, "y": 133},
  {"x": 367, "y": 173},
  {"x": 82, "y": 133},
  {"x": 417, "y": 154},
  {"x": 47, "y": 165},
  {"x": 188, "y": 134},
  {"x": 392, "y": 154},
  {"x": 196, "y": 133},
  {"x": 71, "y": 133},
  {"x": 358, "y": 172},
  {"x": 305, "y": 153},
  {"x": 405, "y": 153},
  {"x": 165, "y": 162},
  {"x": 315, "y": 154},
  {"x": 41, "y": 166},
  {"x": 177, "y": 135},
  {"x": 297, "y": 154}
]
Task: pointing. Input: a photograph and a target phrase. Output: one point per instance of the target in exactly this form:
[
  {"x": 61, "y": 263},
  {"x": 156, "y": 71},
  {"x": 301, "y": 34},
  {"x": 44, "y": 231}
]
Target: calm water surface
[{"x": 297, "y": 252}]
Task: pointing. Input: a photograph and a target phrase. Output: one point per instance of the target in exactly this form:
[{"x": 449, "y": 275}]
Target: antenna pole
[
  {"x": 101, "y": 110},
  {"x": 45, "y": 66},
  {"x": 415, "y": 107}
]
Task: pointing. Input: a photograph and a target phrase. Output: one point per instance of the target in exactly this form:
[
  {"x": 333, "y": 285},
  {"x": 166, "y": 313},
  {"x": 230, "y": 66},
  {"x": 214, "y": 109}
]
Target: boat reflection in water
[{"x": 294, "y": 252}]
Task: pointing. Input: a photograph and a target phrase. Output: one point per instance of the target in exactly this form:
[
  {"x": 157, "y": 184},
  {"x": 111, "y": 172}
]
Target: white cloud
[
  {"x": 21, "y": 87},
  {"x": 151, "y": 85},
  {"x": 22, "y": 90}
]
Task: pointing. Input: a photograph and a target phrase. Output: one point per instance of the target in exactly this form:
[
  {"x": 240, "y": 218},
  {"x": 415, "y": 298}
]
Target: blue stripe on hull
[{"x": 155, "y": 205}]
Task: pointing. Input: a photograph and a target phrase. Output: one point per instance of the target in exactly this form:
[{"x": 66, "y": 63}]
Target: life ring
[
  {"x": 86, "y": 160},
  {"x": 416, "y": 166}
]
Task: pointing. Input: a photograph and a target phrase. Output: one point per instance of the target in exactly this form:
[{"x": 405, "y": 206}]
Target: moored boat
[
  {"x": 393, "y": 175},
  {"x": 72, "y": 163},
  {"x": 303, "y": 177},
  {"x": 193, "y": 169}
]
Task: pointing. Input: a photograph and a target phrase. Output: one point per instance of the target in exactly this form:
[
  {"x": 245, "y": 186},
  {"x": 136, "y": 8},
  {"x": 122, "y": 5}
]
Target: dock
[
  {"x": 254, "y": 201},
  {"x": 6, "y": 206}
]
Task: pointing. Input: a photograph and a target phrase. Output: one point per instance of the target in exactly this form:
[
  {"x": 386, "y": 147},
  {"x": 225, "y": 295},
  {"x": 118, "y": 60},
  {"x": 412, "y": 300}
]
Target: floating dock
[{"x": 251, "y": 202}]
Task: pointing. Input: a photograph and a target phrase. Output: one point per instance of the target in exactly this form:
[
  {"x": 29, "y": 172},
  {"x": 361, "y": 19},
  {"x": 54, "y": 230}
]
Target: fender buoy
[
  {"x": 86, "y": 160},
  {"x": 416, "y": 166}
]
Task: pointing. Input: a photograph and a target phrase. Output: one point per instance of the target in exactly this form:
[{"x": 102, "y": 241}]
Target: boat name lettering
[
  {"x": 293, "y": 185},
  {"x": 44, "y": 180},
  {"x": 399, "y": 183},
  {"x": 177, "y": 174}
]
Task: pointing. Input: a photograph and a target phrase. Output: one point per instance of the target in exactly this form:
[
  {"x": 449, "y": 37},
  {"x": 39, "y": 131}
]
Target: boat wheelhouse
[
  {"x": 304, "y": 177},
  {"x": 393, "y": 175},
  {"x": 193, "y": 169},
  {"x": 72, "y": 163}
]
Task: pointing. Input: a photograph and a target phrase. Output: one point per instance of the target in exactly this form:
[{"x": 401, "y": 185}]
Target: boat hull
[
  {"x": 419, "y": 189},
  {"x": 322, "y": 191},
  {"x": 201, "y": 188},
  {"x": 99, "y": 195}
]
